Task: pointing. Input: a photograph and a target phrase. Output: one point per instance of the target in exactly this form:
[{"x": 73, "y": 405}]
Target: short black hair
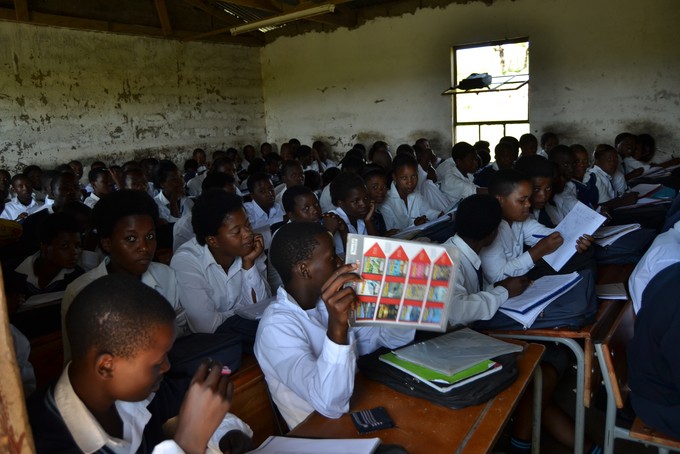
[
  {"x": 220, "y": 162},
  {"x": 93, "y": 174},
  {"x": 19, "y": 176},
  {"x": 56, "y": 223},
  {"x": 343, "y": 184},
  {"x": 116, "y": 314},
  {"x": 407, "y": 149},
  {"x": 478, "y": 216},
  {"x": 352, "y": 164},
  {"x": 601, "y": 150},
  {"x": 329, "y": 175},
  {"x": 190, "y": 164},
  {"x": 504, "y": 182},
  {"x": 528, "y": 139},
  {"x": 403, "y": 160},
  {"x": 312, "y": 179},
  {"x": 272, "y": 158},
  {"x": 257, "y": 165},
  {"x": 535, "y": 166},
  {"x": 293, "y": 243},
  {"x": 210, "y": 210},
  {"x": 303, "y": 151},
  {"x": 98, "y": 164},
  {"x": 31, "y": 168},
  {"x": 163, "y": 171},
  {"x": 617, "y": 140},
  {"x": 119, "y": 204},
  {"x": 461, "y": 150},
  {"x": 288, "y": 199},
  {"x": 289, "y": 166},
  {"x": 562, "y": 150},
  {"x": 373, "y": 171},
  {"x": 216, "y": 180},
  {"x": 255, "y": 178}
]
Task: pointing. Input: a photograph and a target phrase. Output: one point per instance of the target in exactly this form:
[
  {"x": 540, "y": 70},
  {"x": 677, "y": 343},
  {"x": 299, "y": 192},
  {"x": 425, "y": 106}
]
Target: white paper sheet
[{"x": 286, "y": 445}]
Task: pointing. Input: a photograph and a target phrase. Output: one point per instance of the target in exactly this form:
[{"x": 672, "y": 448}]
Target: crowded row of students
[{"x": 283, "y": 249}]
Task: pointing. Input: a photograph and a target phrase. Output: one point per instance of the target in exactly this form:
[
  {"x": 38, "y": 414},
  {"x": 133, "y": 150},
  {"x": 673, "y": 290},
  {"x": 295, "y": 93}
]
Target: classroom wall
[
  {"x": 67, "y": 94},
  {"x": 597, "y": 68}
]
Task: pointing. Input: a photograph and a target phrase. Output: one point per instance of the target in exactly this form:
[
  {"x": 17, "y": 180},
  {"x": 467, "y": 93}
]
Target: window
[{"x": 500, "y": 109}]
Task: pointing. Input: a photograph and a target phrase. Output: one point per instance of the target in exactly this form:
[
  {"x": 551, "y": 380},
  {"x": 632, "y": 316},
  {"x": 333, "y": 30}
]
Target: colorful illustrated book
[{"x": 404, "y": 282}]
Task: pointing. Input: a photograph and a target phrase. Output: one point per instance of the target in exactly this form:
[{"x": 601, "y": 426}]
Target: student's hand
[
  {"x": 205, "y": 404},
  {"x": 248, "y": 260},
  {"x": 629, "y": 198},
  {"x": 546, "y": 246},
  {"x": 584, "y": 243},
  {"x": 236, "y": 442},
  {"x": 21, "y": 217},
  {"x": 635, "y": 173},
  {"x": 339, "y": 300},
  {"x": 391, "y": 232},
  {"x": 371, "y": 211},
  {"x": 420, "y": 220},
  {"x": 514, "y": 285},
  {"x": 332, "y": 222}
]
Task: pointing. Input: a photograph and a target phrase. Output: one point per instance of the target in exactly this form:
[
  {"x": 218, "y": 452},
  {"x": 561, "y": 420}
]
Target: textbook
[
  {"x": 289, "y": 445},
  {"x": 405, "y": 283},
  {"x": 611, "y": 291},
  {"x": 413, "y": 231},
  {"x": 604, "y": 236},
  {"x": 526, "y": 308}
]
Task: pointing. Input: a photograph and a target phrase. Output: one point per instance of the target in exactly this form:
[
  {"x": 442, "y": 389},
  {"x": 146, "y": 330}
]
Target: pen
[{"x": 539, "y": 236}]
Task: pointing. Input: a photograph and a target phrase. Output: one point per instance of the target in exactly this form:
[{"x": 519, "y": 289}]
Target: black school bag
[{"x": 474, "y": 393}]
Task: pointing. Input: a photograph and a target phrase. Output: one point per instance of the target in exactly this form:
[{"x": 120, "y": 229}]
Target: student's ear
[
  {"x": 501, "y": 200},
  {"x": 105, "y": 366},
  {"x": 302, "y": 270},
  {"x": 105, "y": 243},
  {"x": 211, "y": 241}
]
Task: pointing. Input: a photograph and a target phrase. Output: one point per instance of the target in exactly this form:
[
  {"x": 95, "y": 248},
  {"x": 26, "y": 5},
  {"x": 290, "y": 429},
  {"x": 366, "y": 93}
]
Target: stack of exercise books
[
  {"x": 452, "y": 360},
  {"x": 604, "y": 236}
]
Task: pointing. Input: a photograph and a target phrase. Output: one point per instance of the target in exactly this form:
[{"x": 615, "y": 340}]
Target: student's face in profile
[
  {"x": 306, "y": 209},
  {"x": 234, "y": 237},
  {"x": 64, "y": 250},
  {"x": 504, "y": 158},
  {"x": 324, "y": 261},
  {"x": 580, "y": 165},
  {"x": 174, "y": 184},
  {"x": 356, "y": 204},
  {"x": 565, "y": 164},
  {"x": 627, "y": 146},
  {"x": 77, "y": 168},
  {"x": 609, "y": 162},
  {"x": 263, "y": 194},
  {"x": 516, "y": 205},
  {"x": 468, "y": 164},
  {"x": 541, "y": 192},
  {"x": 102, "y": 185},
  {"x": 136, "y": 181},
  {"x": 405, "y": 179},
  {"x": 377, "y": 188},
  {"x": 132, "y": 245},
  {"x": 293, "y": 176},
  {"x": 135, "y": 378}
]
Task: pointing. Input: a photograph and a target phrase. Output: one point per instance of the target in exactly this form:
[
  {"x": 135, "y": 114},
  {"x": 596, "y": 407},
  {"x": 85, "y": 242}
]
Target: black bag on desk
[{"x": 473, "y": 393}]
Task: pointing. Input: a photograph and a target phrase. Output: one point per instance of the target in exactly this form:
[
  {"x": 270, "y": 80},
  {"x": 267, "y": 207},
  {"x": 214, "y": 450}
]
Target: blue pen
[{"x": 539, "y": 236}]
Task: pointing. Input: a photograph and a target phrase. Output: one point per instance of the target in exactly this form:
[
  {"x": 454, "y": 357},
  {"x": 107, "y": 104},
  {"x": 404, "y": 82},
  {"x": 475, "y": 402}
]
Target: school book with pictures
[{"x": 404, "y": 283}]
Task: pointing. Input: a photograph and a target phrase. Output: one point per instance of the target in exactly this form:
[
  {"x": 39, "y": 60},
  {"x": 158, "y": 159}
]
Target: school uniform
[
  {"x": 259, "y": 218},
  {"x": 158, "y": 276},
  {"x": 360, "y": 229},
  {"x": 586, "y": 190},
  {"x": 431, "y": 192},
  {"x": 150, "y": 189},
  {"x": 505, "y": 257},
  {"x": 664, "y": 252},
  {"x": 210, "y": 295},
  {"x": 278, "y": 193},
  {"x": 22, "y": 278},
  {"x": 185, "y": 205},
  {"x": 483, "y": 176},
  {"x": 458, "y": 186},
  {"x": 542, "y": 152},
  {"x": 91, "y": 200},
  {"x": 473, "y": 298},
  {"x": 14, "y": 208},
  {"x": 562, "y": 203},
  {"x": 631, "y": 164},
  {"x": 22, "y": 350},
  {"x": 304, "y": 369},
  {"x": 444, "y": 169},
  {"x": 398, "y": 215},
  {"x": 325, "y": 200},
  {"x": 603, "y": 183},
  {"x": 182, "y": 232},
  {"x": 62, "y": 423}
]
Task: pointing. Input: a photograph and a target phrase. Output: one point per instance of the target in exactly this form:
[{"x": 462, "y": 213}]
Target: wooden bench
[
  {"x": 47, "y": 357},
  {"x": 611, "y": 354}
]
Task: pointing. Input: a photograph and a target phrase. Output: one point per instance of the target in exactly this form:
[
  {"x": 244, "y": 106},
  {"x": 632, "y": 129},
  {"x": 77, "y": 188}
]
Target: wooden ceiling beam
[
  {"x": 21, "y": 10},
  {"x": 214, "y": 10},
  {"x": 163, "y": 17},
  {"x": 262, "y": 5}
]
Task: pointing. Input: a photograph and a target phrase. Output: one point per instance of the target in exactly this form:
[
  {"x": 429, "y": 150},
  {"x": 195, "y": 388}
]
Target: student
[
  {"x": 263, "y": 211},
  {"x": 23, "y": 204},
  {"x": 190, "y": 169},
  {"x": 222, "y": 268},
  {"x": 348, "y": 194},
  {"x": 171, "y": 201},
  {"x": 272, "y": 163},
  {"x": 459, "y": 183},
  {"x": 199, "y": 156},
  {"x": 265, "y": 149},
  {"x": 301, "y": 205},
  {"x": 34, "y": 175},
  {"x": 304, "y": 344},
  {"x": 126, "y": 222},
  {"x": 112, "y": 396},
  {"x": 548, "y": 141},
  {"x": 376, "y": 188},
  {"x": 542, "y": 176},
  {"x": 249, "y": 154},
  {"x": 320, "y": 154},
  {"x": 351, "y": 163},
  {"x": 149, "y": 167},
  {"x": 427, "y": 178},
  {"x": 529, "y": 145},
  {"x": 100, "y": 180},
  {"x": 291, "y": 175},
  {"x": 604, "y": 168},
  {"x": 304, "y": 155},
  {"x": 505, "y": 156},
  {"x": 404, "y": 206},
  {"x": 477, "y": 220},
  {"x": 134, "y": 179}
]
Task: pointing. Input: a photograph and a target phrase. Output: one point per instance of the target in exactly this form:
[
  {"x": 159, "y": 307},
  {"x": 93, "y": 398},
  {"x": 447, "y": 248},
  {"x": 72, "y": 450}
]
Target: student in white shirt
[
  {"x": 349, "y": 195},
  {"x": 320, "y": 155},
  {"x": 404, "y": 206},
  {"x": 263, "y": 211},
  {"x": 604, "y": 168},
  {"x": 171, "y": 201},
  {"x": 134, "y": 179},
  {"x": 459, "y": 183},
  {"x": 427, "y": 179},
  {"x": 304, "y": 345},
  {"x": 548, "y": 141},
  {"x": 100, "y": 180},
  {"x": 528, "y": 143},
  {"x": 23, "y": 204},
  {"x": 291, "y": 175},
  {"x": 217, "y": 271}
]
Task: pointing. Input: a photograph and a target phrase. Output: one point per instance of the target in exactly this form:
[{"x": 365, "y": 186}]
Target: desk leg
[{"x": 536, "y": 424}]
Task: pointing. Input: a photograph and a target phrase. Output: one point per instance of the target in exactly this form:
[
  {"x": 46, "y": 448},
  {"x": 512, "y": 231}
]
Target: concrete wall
[
  {"x": 597, "y": 68},
  {"x": 68, "y": 94}
]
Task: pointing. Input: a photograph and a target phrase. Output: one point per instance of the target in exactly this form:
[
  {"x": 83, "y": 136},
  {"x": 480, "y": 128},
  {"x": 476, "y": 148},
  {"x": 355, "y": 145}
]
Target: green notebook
[{"x": 425, "y": 374}]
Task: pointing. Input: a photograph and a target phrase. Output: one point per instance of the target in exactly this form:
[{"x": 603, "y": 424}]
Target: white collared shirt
[
  {"x": 325, "y": 200},
  {"x": 444, "y": 169},
  {"x": 563, "y": 203},
  {"x": 26, "y": 268},
  {"x": 337, "y": 238},
  {"x": 304, "y": 369},
  {"x": 258, "y": 218},
  {"x": 458, "y": 186},
  {"x": 603, "y": 183},
  {"x": 398, "y": 215},
  {"x": 208, "y": 293},
  {"x": 505, "y": 257},
  {"x": 90, "y": 436},
  {"x": 469, "y": 303},
  {"x": 630, "y": 164},
  {"x": 185, "y": 205},
  {"x": 431, "y": 192},
  {"x": 664, "y": 252},
  {"x": 194, "y": 186},
  {"x": 91, "y": 200},
  {"x": 158, "y": 276},
  {"x": 182, "y": 232},
  {"x": 14, "y": 208}
]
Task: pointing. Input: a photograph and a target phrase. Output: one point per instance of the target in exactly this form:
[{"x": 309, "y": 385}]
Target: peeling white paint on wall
[
  {"x": 67, "y": 94},
  {"x": 597, "y": 69}
]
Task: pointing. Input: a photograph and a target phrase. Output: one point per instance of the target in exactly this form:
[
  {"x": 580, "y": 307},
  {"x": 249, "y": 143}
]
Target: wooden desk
[{"x": 423, "y": 427}]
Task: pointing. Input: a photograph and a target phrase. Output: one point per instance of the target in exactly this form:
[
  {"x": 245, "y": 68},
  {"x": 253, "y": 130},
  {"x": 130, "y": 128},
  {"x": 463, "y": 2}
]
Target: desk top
[{"x": 423, "y": 427}]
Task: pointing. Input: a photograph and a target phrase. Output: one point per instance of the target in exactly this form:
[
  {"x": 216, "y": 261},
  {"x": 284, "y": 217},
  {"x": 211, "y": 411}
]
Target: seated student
[
  {"x": 586, "y": 190},
  {"x": 263, "y": 211},
  {"x": 303, "y": 154},
  {"x": 291, "y": 175},
  {"x": 604, "y": 168},
  {"x": 505, "y": 155},
  {"x": 22, "y": 204},
  {"x": 477, "y": 220},
  {"x": 427, "y": 178},
  {"x": 404, "y": 206},
  {"x": 542, "y": 175},
  {"x": 348, "y": 194},
  {"x": 304, "y": 344},
  {"x": 249, "y": 155},
  {"x": 126, "y": 222},
  {"x": 376, "y": 188},
  {"x": 301, "y": 205},
  {"x": 349, "y": 164},
  {"x": 459, "y": 183},
  {"x": 548, "y": 141},
  {"x": 320, "y": 155},
  {"x": 272, "y": 162},
  {"x": 34, "y": 175},
  {"x": 190, "y": 170},
  {"x": 528, "y": 143},
  {"x": 134, "y": 179},
  {"x": 199, "y": 156},
  {"x": 100, "y": 180},
  {"x": 221, "y": 268},
  {"x": 171, "y": 200},
  {"x": 112, "y": 396}
]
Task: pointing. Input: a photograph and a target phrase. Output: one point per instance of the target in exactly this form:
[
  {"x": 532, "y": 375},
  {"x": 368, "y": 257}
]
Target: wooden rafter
[
  {"x": 214, "y": 10},
  {"x": 262, "y": 5},
  {"x": 163, "y": 17},
  {"x": 21, "y": 10}
]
